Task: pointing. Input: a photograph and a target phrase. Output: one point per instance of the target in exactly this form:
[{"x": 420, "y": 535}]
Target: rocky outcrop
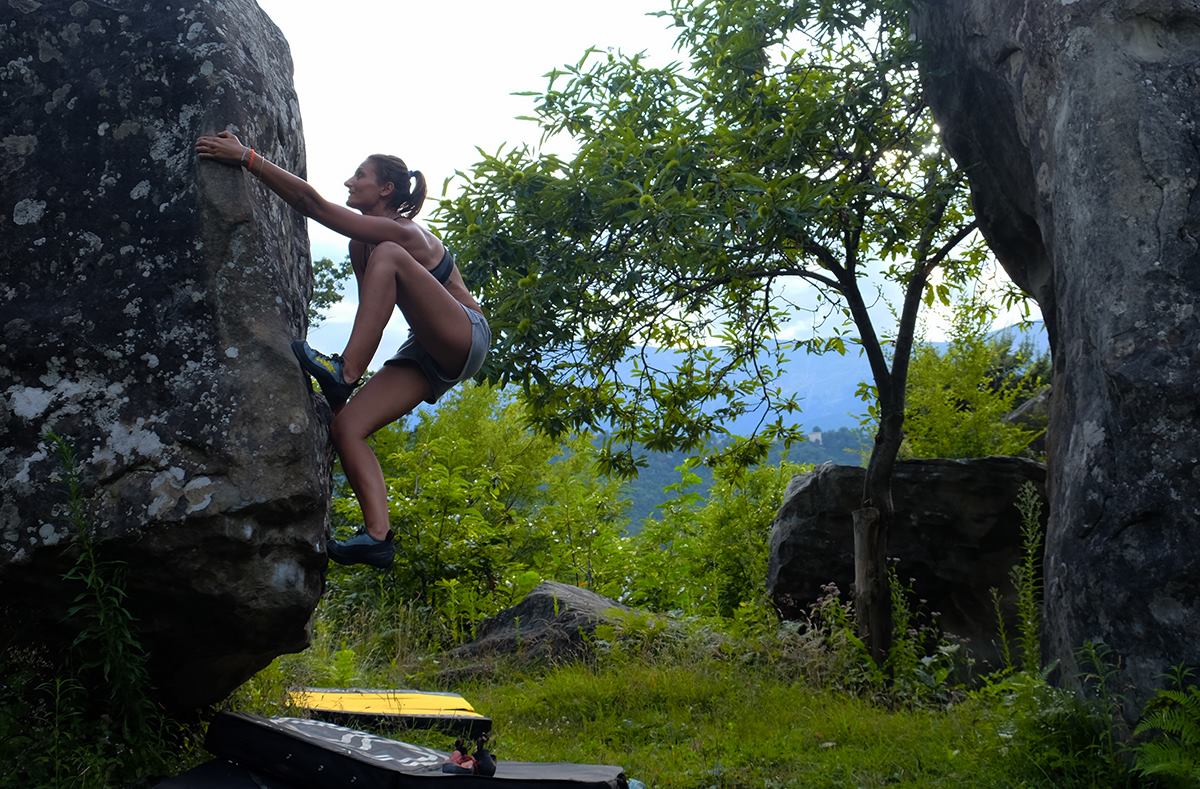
[
  {"x": 148, "y": 301},
  {"x": 554, "y": 622},
  {"x": 1077, "y": 125},
  {"x": 956, "y": 535}
]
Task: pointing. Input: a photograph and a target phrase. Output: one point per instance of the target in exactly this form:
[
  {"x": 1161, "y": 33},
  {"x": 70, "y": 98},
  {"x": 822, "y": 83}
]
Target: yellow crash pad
[{"x": 414, "y": 707}]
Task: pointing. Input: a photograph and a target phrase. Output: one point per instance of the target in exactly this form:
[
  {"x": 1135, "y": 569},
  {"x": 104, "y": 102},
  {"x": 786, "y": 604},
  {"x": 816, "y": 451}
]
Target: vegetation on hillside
[
  {"x": 961, "y": 395},
  {"x": 656, "y": 482}
]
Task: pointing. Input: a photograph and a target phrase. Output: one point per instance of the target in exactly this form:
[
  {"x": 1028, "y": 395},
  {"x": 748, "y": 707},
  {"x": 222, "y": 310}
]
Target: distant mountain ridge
[{"x": 825, "y": 384}]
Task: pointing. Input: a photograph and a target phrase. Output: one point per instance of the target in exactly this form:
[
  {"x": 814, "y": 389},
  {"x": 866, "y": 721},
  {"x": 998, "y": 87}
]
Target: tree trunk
[{"x": 872, "y": 600}]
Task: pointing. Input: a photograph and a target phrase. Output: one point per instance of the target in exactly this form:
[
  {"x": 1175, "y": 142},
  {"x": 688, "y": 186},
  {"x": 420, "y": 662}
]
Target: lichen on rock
[{"x": 148, "y": 302}]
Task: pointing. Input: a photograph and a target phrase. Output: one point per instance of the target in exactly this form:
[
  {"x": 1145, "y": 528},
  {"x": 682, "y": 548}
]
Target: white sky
[{"x": 432, "y": 81}]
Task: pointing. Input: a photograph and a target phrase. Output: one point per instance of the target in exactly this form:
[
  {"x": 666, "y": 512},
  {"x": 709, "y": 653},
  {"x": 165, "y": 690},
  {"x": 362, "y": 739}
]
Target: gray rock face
[
  {"x": 553, "y": 622},
  {"x": 1077, "y": 124},
  {"x": 957, "y": 534},
  {"x": 147, "y": 303}
]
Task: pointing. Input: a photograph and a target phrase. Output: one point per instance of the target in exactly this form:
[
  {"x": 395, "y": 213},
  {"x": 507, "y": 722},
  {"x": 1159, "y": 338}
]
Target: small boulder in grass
[{"x": 555, "y": 621}]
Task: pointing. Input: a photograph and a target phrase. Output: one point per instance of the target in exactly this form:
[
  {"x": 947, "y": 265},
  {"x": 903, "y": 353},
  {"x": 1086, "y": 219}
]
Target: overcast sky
[{"x": 430, "y": 82}]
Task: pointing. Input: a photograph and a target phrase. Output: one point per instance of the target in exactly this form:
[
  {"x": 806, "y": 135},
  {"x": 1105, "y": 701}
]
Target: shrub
[
  {"x": 483, "y": 509},
  {"x": 958, "y": 398},
  {"x": 708, "y": 557}
]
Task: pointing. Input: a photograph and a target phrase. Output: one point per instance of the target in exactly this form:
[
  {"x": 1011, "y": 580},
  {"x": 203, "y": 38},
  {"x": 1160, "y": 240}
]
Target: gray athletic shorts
[{"x": 439, "y": 381}]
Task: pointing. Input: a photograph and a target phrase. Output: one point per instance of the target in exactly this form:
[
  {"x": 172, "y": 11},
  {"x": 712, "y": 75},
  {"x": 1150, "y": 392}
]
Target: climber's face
[{"x": 365, "y": 190}]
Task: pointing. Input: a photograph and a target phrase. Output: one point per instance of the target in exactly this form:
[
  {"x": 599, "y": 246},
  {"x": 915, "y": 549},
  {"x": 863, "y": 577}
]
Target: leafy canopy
[{"x": 641, "y": 285}]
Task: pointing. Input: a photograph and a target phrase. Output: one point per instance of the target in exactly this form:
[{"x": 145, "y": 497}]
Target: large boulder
[
  {"x": 1077, "y": 125},
  {"x": 148, "y": 301},
  {"x": 956, "y": 536}
]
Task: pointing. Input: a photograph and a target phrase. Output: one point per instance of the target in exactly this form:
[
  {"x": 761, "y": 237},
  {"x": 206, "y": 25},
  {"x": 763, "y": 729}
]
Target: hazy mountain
[{"x": 826, "y": 383}]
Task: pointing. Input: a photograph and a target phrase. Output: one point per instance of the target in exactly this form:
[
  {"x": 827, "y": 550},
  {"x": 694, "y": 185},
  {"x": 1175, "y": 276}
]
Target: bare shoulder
[{"x": 420, "y": 242}]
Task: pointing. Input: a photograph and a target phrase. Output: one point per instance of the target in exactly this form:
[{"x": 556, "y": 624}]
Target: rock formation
[
  {"x": 1076, "y": 122},
  {"x": 147, "y": 303},
  {"x": 553, "y": 622},
  {"x": 957, "y": 534}
]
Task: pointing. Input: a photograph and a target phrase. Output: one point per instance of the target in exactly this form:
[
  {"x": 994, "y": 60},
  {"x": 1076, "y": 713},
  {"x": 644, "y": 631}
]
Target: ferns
[{"x": 1172, "y": 718}]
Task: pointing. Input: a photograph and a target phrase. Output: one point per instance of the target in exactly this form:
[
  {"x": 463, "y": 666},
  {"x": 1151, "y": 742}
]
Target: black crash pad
[
  {"x": 299, "y": 752},
  {"x": 224, "y": 774}
]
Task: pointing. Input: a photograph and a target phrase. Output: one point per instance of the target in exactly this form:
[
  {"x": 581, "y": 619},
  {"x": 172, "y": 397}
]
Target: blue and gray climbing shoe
[
  {"x": 327, "y": 372},
  {"x": 362, "y": 548}
]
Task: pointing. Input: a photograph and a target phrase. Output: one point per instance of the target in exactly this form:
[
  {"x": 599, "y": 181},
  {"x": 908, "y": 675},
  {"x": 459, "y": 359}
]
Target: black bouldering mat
[
  {"x": 323, "y": 755},
  {"x": 224, "y": 774}
]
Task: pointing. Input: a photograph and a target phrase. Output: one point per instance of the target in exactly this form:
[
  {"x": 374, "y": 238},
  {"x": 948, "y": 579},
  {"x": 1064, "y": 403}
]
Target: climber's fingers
[{"x": 223, "y": 145}]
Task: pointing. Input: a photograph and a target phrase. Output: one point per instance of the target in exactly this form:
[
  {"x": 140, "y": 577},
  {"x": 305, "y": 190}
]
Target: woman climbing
[{"x": 397, "y": 263}]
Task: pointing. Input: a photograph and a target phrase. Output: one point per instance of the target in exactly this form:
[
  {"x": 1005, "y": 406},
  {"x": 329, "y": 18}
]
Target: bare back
[{"x": 427, "y": 250}]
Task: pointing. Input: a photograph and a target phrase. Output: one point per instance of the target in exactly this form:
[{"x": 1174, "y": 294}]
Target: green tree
[
  {"x": 958, "y": 398},
  {"x": 483, "y": 508},
  {"x": 707, "y": 555},
  {"x": 788, "y": 160},
  {"x": 327, "y": 278}
]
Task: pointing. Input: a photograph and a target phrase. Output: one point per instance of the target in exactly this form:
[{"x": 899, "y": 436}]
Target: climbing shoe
[
  {"x": 462, "y": 762},
  {"x": 362, "y": 548},
  {"x": 485, "y": 760},
  {"x": 327, "y": 372}
]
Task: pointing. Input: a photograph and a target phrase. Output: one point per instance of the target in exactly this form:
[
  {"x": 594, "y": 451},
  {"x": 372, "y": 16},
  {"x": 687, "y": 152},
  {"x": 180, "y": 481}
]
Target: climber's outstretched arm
[{"x": 224, "y": 147}]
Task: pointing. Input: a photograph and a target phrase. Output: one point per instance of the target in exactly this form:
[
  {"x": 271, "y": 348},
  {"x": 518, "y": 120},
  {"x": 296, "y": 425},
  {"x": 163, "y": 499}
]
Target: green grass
[
  {"x": 675, "y": 726},
  {"x": 726, "y": 725},
  {"x": 691, "y": 706}
]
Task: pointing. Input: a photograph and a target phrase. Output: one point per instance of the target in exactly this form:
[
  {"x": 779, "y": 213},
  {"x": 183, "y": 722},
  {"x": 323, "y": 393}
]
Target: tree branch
[{"x": 912, "y": 301}]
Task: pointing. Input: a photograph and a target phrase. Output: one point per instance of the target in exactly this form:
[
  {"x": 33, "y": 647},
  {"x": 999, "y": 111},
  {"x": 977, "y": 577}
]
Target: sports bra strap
[{"x": 441, "y": 272}]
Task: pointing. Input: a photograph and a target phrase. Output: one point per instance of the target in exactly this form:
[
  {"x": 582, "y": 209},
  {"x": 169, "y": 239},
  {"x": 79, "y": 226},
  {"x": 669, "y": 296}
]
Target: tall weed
[
  {"x": 85, "y": 718},
  {"x": 106, "y": 648},
  {"x": 1050, "y": 736},
  {"x": 1027, "y": 578}
]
